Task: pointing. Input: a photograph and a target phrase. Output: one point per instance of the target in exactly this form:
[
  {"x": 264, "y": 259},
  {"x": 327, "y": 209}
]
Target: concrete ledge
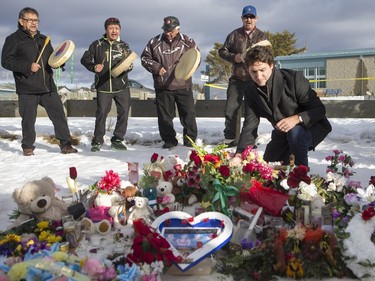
[{"x": 211, "y": 108}]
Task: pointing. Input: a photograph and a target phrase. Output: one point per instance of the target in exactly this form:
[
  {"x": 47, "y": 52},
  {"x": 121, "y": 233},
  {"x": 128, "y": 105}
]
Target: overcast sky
[{"x": 320, "y": 25}]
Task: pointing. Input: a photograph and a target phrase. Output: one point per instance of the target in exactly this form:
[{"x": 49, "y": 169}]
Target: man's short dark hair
[
  {"x": 27, "y": 10},
  {"x": 259, "y": 54}
]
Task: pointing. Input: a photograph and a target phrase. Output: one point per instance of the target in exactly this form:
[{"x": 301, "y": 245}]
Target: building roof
[{"x": 329, "y": 54}]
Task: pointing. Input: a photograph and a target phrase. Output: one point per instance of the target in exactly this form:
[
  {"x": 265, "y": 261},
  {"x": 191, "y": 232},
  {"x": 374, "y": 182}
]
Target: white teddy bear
[
  {"x": 172, "y": 167},
  {"x": 165, "y": 197},
  {"x": 164, "y": 193},
  {"x": 140, "y": 210}
]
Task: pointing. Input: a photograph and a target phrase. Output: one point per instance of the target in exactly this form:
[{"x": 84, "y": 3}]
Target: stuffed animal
[
  {"x": 140, "y": 210},
  {"x": 165, "y": 198},
  {"x": 172, "y": 167},
  {"x": 182, "y": 192},
  {"x": 106, "y": 207},
  {"x": 38, "y": 199},
  {"x": 164, "y": 193}
]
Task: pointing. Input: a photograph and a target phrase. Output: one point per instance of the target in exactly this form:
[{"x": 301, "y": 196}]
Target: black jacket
[
  {"x": 20, "y": 50},
  {"x": 102, "y": 51},
  {"x": 289, "y": 94},
  {"x": 160, "y": 53}
]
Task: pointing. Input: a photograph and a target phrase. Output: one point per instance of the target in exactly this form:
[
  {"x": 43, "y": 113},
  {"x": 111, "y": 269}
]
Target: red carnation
[
  {"x": 224, "y": 171},
  {"x": 211, "y": 158},
  {"x": 73, "y": 173},
  {"x": 297, "y": 175},
  {"x": 368, "y": 214},
  {"x": 193, "y": 154},
  {"x": 197, "y": 160}
]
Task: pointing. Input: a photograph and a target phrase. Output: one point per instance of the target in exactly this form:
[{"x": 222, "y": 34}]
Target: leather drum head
[
  {"x": 61, "y": 54},
  {"x": 123, "y": 65},
  {"x": 187, "y": 64}
]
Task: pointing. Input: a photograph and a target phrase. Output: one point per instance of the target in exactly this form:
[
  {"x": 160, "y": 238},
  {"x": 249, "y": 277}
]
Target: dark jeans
[
  {"x": 104, "y": 103},
  {"x": 28, "y": 106},
  {"x": 235, "y": 93},
  {"x": 165, "y": 104},
  {"x": 297, "y": 141}
]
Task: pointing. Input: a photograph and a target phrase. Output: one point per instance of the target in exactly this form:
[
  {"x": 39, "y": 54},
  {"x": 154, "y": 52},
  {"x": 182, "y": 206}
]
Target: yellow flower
[
  {"x": 10, "y": 237},
  {"x": 42, "y": 225},
  {"x": 30, "y": 242},
  {"x": 294, "y": 269},
  {"x": 205, "y": 205},
  {"x": 53, "y": 239},
  {"x": 43, "y": 236}
]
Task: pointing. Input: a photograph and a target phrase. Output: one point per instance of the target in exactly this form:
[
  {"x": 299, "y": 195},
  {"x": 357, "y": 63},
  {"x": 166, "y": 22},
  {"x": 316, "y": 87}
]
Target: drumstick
[
  {"x": 44, "y": 46},
  {"x": 105, "y": 56}
]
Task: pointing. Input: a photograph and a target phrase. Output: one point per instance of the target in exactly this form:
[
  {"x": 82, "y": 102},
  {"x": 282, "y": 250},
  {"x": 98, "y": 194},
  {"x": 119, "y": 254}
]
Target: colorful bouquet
[
  {"x": 218, "y": 179},
  {"x": 108, "y": 184},
  {"x": 31, "y": 236}
]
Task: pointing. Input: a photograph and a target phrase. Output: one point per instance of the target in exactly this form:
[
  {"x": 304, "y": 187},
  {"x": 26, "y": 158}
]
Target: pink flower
[
  {"x": 110, "y": 182},
  {"x": 93, "y": 267}
]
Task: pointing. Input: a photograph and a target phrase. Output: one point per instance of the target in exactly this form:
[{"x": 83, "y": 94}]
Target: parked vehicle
[{"x": 139, "y": 91}]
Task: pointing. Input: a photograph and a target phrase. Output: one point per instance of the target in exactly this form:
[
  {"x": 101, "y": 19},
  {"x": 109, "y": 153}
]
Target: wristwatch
[{"x": 300, "y": 119}]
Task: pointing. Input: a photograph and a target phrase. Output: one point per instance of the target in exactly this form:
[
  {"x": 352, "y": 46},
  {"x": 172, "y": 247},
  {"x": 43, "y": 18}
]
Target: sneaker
[
  {"x": 95, "y": 147},
  {"x": 118, "y": 145},
  {"x": 169, "y": 145},
  {"x": 28, "y": 152},
  {"x": 68, "y": 149}
]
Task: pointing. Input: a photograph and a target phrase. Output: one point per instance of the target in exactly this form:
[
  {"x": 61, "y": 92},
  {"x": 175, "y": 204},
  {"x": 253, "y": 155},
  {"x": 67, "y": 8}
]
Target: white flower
[
  {"x": 368, "y": 194},
  {"x": 284, "y": 184},
  {"x": 307, "y": 191}
]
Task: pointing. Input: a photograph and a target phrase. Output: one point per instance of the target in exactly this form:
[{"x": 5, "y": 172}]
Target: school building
[{"x": 346, "y": 73}]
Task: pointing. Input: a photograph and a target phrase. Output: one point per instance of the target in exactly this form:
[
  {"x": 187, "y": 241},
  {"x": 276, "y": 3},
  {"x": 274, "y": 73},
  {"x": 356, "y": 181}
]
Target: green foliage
[
  {"x": 220, "y": 69},
  {"x": 284, "y": 43}
]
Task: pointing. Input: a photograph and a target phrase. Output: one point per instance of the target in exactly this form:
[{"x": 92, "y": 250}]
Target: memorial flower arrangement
[
  {"x": 149, "y": 247},
  {"x": 108, "y": 184},
  {"x": 305, "y": 251},
  {"x": 32, "y": 236},
  {"x": 218, "y": 179}
]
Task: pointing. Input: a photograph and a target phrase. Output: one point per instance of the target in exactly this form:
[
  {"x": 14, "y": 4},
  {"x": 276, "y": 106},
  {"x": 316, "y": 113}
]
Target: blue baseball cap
[{"x": 249, "y": 10}]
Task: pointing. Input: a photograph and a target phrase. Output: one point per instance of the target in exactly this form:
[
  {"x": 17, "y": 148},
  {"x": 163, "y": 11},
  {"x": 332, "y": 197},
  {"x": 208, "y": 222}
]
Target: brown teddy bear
[{"x": 37, "y": 199}]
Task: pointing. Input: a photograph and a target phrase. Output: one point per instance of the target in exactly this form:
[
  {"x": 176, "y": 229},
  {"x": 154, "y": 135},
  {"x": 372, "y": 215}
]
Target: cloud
[{"x": 320, "y": 25}]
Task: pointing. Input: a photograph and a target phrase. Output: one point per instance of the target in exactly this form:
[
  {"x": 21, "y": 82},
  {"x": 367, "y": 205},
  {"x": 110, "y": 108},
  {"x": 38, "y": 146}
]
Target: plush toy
[
  {"x": 165, "y": 198},
  {"x": 182, "y": 192},
  {"x": 172, "y": 167},
  {"x": 38, "y": 199},
  {"x": 107, "y": 207},
  {"x": 140, "y": 210}
]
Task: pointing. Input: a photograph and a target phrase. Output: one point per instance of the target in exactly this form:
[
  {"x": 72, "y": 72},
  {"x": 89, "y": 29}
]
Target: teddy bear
[
  {"x": 109, "y": 207},
  {"x": 172, "y": 166},
  {"x": 165, "y": 198},
  {"x": 37, "y": 199},
  {"x": 183, "y": 193},
  {"x": 140, "y": 210}
]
